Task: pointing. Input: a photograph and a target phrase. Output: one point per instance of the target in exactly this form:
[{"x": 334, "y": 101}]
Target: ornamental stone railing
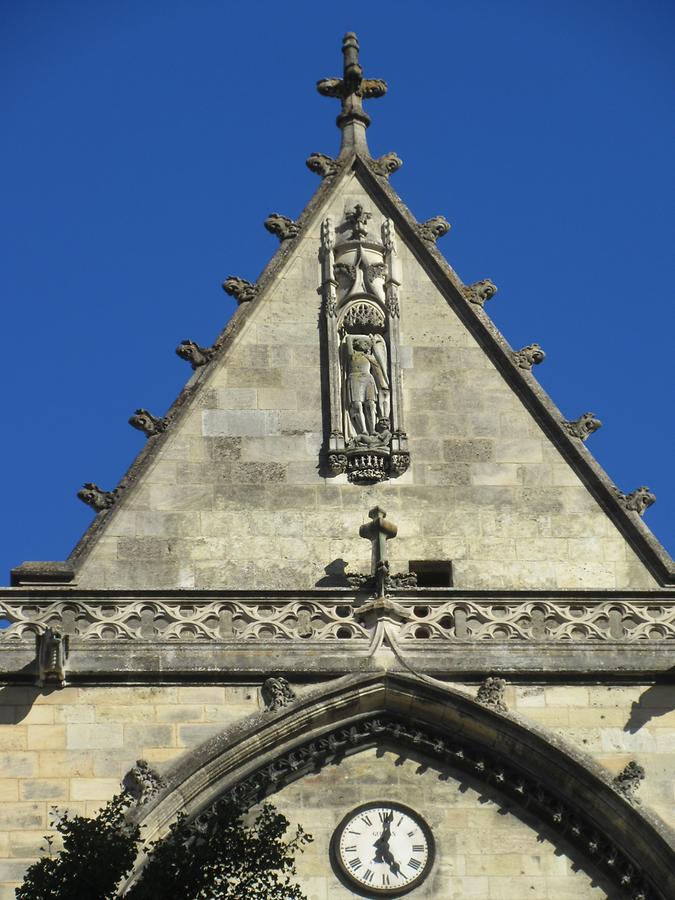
[{"x": 309, "y": 619}]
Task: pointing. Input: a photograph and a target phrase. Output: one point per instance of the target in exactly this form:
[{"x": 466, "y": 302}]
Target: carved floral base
[{"x": 368, "y": 466}]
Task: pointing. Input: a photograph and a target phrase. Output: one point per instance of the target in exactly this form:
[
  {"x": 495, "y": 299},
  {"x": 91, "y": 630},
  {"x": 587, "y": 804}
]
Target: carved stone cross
[
  {"x": 352, "y": 89},
  {"x": 378, "y": 532}
]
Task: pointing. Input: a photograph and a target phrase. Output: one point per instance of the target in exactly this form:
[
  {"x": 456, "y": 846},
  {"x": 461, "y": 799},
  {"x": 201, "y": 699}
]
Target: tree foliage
[{"x": 219, "y": 856}]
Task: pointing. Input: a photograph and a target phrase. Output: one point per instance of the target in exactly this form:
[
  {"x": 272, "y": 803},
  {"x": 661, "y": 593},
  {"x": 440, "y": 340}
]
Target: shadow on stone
[
  {"x": 655, "y": 701},
  {"x": 335, "y": 575},
  {"x": 16, "y": 700}
]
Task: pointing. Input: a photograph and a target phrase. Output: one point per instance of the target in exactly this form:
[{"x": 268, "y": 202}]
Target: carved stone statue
[
  {"x": 367, "y": 382},
  {"x": 583, "y": 427},
  {"x": 361, "y": 277},
  {"x": 93, "y": 496},
  {"x": 147, "y": 423},
  {"x": 283, "y": 227},
  {"x": 243, "y": 291},
  {"x": 142, "y": 782},
  {"x": 51, "y": 650},
  {"x": 194, "y": 354},
  {"x": 277, "y": 693}
]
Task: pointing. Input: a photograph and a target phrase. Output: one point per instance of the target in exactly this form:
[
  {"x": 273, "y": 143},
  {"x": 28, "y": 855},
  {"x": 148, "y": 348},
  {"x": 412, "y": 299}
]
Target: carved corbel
[
  {"x": 51, "y": 653},
  {"x": 194, "y": 354},
  {"x": 93, "y": 496},
  {"x": 142, "y": 782},
  {"x": 583, "y": 427},
  {"x": 628, "y": 780},
  {"x": 385, "y": 165},
  {"x": 479, "y": 291},
  {"x": 323, "y": 165},
  {"x": 277, "y": 693},
  {"x": 528, "y": 356},
  {"x": 283, "y": 227},
  {"x": 243, "y": 291},
  {"x": 491, "y": 693},
  {"x": 433, "y": 229},
  {"x": 638, "y": 501},
  {"x": 147, "y": 423}
]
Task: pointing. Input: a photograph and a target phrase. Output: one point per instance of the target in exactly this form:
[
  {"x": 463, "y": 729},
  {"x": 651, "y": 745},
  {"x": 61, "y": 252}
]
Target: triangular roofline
[
  {"x": 648, "y": 549},
  {"x": 536, "y": 771}
]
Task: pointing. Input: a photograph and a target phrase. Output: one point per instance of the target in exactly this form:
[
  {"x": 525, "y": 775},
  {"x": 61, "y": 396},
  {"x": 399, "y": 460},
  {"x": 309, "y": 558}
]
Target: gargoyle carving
[
  {"x": 528, "y": 356},
  {"x": 283, "y": 227},
  {"x": 243, "y": 291},
  {"x": 479, "y": 291},
  {"x": 277, "y": 693},
  {"x": 628, "y": 780},
  {"x": 639, "y": 501},
  {"x": 51, "y": 651},
  {"x": 386, "y": 165},
  {"x": 491, "y": 693},
  {"x": 142, "y": 782},
  {"x": 583, "y": 427},
  {"x": 433, "y": 229},
  {"x": 194, "y": 354},
  {"x": 323, "y": 165},
  {"x": 147, "y": 423},
  {"x": 93, "y": 496}
]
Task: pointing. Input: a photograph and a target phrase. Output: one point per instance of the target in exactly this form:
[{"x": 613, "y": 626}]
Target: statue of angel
[{"x": 367, "y": 382}]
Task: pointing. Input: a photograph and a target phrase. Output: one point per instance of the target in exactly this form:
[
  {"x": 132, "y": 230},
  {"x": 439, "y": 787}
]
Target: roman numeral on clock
[
  {"x": 355, "y": 863},
  {"x": 368, "y": 875},
  {"x": 414, "y": 863},
  {"x": 418, "y": 848}
]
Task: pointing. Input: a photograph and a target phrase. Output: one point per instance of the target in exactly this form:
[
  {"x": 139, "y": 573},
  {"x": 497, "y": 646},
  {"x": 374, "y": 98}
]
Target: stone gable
[{"x": 238, "y": 495}]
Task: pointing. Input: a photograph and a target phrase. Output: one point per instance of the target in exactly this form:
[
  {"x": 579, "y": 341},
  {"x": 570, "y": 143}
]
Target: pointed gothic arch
[{"x": 538, "y": 773}]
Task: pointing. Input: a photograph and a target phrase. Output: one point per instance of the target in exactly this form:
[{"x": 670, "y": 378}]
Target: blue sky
[{"x": 145, "y": 143}]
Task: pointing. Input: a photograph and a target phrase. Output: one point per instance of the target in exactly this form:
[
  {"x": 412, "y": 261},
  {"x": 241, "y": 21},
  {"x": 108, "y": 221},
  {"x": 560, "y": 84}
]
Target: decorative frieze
[
  {"x": 528, "y": 356},
  {"x": 93, "y": 496},
  {"x": 583, "y": 427},
  {"x": 638, "y": 501},
  {"x": 361, "y": 277},
  {"x": 437, "y": 622},
  {"x": 323, "y": 165},
  {"x": 194, "y": 354},
  {"x": 491, "y": 693},
  {"x": 433, "y": 229},
  {"x": 51, "y": 653},
  {"x": 147, "y": 423},
  {"x": 281, "y": 226},
  {"x": 277, "y": 693},
  {"x": 142, "y": 782},
  {"x": 243, "y": 291},
  {"x": 480, "y": 291}
]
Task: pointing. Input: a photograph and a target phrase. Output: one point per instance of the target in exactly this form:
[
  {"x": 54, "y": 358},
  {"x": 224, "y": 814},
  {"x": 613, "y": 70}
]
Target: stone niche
[{"x": 361, "y": 280}]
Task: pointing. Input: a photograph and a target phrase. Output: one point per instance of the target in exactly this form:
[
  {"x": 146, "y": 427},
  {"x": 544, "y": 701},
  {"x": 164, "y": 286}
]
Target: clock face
[{"x": 384, "y": 848}]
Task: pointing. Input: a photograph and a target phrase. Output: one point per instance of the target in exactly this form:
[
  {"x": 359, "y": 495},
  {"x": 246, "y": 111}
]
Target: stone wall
[
  {"x": 236, "y": 497},
  {"x": 71, "y": 748}
]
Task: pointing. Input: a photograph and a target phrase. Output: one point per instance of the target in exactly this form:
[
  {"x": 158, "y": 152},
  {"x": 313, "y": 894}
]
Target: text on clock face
[{"x": 383, "y": 848}]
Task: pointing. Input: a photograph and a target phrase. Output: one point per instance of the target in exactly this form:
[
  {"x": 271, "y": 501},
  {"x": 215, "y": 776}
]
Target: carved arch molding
[{"x": 570, "y": 795}]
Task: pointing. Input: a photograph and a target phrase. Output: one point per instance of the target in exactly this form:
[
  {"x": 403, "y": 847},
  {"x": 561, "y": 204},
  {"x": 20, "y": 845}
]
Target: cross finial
[
  {"x": 352, "y": 89},
  {"x": 378, "y": 532}
]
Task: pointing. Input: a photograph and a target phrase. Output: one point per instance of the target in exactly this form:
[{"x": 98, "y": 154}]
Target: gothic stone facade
[{"x": 501, "y": 666}]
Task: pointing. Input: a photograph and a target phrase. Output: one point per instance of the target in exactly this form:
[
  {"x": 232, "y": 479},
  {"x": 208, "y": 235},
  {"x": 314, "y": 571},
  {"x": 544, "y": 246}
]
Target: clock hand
[{"x": 388, "y": 857}]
